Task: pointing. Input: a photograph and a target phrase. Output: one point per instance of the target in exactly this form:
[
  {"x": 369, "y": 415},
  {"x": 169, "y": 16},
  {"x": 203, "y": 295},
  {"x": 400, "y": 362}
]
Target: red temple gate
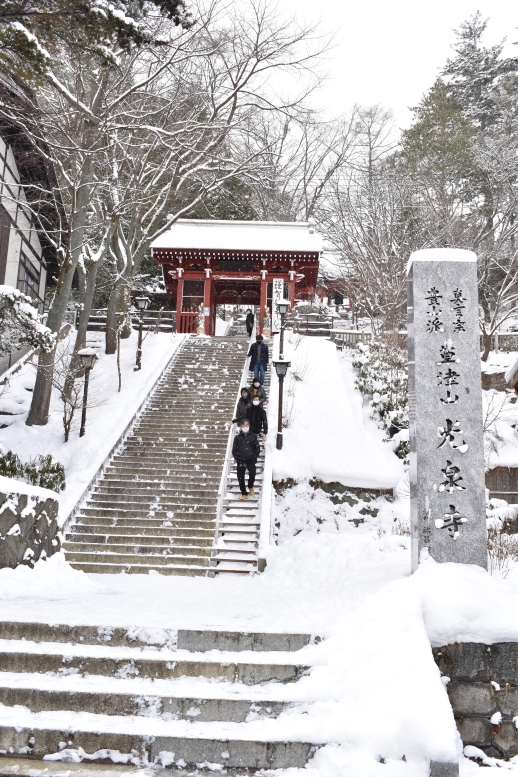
[{"x": 213, "y": 263}]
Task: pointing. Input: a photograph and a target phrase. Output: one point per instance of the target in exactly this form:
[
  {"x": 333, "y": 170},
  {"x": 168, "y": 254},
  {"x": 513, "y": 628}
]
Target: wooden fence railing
[{"x": 161, "y": 320}]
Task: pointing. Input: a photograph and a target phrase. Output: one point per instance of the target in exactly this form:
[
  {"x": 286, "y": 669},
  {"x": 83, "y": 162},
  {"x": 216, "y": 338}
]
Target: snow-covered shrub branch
[
  {"x": 383, "y": 374},
  {"x": 21, "y": 324}
]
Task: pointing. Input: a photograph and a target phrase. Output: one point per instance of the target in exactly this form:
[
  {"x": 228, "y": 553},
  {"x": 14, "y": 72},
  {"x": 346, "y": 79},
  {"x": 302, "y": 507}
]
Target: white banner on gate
[{"x": 277, "y": 296}]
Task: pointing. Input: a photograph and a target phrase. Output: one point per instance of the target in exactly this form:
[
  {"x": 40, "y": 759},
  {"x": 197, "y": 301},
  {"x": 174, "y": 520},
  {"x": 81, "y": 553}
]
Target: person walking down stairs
[
  {"x": 258, "y": 357},
  {"x": 249, "y": 322},
  {"x": 245, "y": 451},
  {"x": 242, "y": 405},
  {"x": 256, "y": 414}
]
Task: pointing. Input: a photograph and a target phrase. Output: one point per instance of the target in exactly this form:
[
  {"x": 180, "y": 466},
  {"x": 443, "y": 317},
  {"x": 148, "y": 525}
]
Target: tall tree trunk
[
  {"x": 39, "y": 411},
  {"x": 486, "y": 340},
  {"x": 87, "y": 284},
  {"x": 111, "y": 318}
]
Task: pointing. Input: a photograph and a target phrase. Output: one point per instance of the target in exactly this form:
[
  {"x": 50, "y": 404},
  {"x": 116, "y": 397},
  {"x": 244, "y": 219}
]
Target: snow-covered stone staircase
[
  {"x": 155, "y": 506},
  {"x": 200, "y": 701},
  {"x": 238, "y": 531}
]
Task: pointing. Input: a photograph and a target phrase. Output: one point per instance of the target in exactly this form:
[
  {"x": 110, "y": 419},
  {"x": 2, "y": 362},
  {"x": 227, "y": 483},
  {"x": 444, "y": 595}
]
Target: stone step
[
  {"x": 162, "y": 461},
  {"x": 165, "y": 459},
  {"x": 141, "y": 502},
  {"x": 138, "y": 568},
  {"x": 235, "y": 524},
  {"x": 238, "y": 541},
  {"x": 140, "y": 473},
  {"x": 145, "y": 703},
  {"x": 172, "y": 550},
  {"x": 31, "y": 734},
  {"x": 166, "y": 485},
  {"x": 194, "y": 556},
  {"x": 104, "y": 512},
  {"x": 174, "y": 538},
  {"x": 193, "y": 640},
  {"x": 125, "y": 663},
  {"x": 162, "y": 490},
  {"x": 145, "y": 528}
]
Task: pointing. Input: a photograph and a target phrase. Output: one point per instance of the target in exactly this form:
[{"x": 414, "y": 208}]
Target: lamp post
[
  {"x": 88, "y": 358},
  {"x": 142, "y": 304},
  {"x": 282, "y": 308},
  {"x": 281, "y": 368}
]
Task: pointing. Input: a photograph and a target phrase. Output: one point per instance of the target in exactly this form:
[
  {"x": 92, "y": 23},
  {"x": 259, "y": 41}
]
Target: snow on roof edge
[{"x": 192, "y": 234}]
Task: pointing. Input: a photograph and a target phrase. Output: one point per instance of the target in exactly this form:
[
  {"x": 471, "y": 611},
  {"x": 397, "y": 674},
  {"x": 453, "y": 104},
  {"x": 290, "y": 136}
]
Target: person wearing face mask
[
  {"x": 242, "y": 405},
  {"x": 256, "y": 414},
  {"x": 257, "y": 390},
  {"x": 245, "y": 451}
]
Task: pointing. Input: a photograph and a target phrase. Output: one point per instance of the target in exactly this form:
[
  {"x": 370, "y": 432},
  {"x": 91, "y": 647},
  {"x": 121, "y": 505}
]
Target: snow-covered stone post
[{"x": 447, "y": 487}]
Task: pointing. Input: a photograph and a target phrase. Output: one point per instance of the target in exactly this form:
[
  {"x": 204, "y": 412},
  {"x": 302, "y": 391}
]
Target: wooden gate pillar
[
  {"x": 207, "y": 301},
  {"x": 262, "y": 301},
  {"x": 292, "y": 275},
  {"x": 179, "y": 299}
]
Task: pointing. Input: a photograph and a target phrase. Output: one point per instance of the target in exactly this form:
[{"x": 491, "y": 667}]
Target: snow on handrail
[
  {"x": 266, "y": 527},
  {"x": 228, "y": 454}
]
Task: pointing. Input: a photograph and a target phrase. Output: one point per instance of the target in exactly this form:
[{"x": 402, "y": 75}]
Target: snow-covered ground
[
  {"x": 107, "y": 418},
  {"x": 326, "y": 437},
  {"x": 338, "y": 572}
]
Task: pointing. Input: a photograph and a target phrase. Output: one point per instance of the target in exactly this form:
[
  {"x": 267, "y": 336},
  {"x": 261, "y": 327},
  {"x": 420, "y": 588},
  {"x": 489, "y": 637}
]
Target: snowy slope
[
  {"x": 106, "y": 419},
  {"x": 326, "y": 439}
]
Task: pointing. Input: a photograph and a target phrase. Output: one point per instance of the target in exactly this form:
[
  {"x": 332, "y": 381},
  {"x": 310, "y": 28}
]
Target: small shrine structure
[{"x": 213, "y": 263}]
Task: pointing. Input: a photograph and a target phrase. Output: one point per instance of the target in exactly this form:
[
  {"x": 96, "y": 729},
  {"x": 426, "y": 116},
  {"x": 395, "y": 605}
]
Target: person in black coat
[
  {"x": 258, "y": 358},
  {"x": 245, "y": 451},
  {"x": 249, "y": 321},
  {"x": 242, "y": 405},
  {"x": 256, "y": 414}
]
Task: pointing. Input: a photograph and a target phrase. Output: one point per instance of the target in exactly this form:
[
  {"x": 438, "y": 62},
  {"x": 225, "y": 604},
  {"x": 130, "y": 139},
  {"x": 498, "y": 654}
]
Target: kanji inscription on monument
[{"x": 447, "y": 489}]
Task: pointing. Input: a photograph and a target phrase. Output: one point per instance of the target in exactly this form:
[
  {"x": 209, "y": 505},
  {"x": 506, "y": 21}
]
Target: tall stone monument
[{"x": 447, "y": 488}]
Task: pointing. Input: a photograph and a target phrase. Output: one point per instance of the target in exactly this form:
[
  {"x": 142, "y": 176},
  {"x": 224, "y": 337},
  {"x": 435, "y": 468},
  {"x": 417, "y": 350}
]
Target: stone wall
[
  {"x": 28, "y": 523},
  {"x": 483, "y": 691}
]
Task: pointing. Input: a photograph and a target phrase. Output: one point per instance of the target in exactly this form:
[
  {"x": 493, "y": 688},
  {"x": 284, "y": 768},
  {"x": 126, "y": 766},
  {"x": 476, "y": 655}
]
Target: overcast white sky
[{"x": 390, "y": 51}]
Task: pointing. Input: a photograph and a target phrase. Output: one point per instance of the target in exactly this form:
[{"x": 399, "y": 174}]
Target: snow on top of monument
[
  {"x": 240, "y": 236},
  {"x": 441, "y": 255}
]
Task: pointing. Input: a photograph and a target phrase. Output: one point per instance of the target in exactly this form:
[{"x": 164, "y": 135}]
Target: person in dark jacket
[
  {"x": 256, "y": 414},
  {"x": 245, "y": 451},
  {"x": 242, "y": 405},
  {"x": 259, "y": 357},
  {"x": 249, "y": 321},
  {"x": 257, "y": 390}
]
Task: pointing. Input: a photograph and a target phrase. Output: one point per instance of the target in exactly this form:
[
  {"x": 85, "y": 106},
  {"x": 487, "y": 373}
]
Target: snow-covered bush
[
  {"x": 21, "y": 324},
  {"x": 43, "y": 471},
  {"x": 383, "y": 374}
]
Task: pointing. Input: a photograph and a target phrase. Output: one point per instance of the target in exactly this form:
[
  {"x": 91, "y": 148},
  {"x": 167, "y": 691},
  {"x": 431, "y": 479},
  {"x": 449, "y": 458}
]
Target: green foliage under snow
[
  {"x": 383, "y": 373},
  {"x": 42, "y": 471}
]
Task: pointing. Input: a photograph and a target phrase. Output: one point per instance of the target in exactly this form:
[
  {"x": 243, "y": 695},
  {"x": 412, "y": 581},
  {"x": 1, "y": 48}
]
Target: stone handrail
[{"x": 228, "y": 453}]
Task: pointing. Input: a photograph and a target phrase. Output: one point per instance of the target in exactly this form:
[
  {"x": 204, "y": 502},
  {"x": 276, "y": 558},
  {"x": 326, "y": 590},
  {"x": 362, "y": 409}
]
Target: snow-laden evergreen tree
[{"x": 21, "y": 324}]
